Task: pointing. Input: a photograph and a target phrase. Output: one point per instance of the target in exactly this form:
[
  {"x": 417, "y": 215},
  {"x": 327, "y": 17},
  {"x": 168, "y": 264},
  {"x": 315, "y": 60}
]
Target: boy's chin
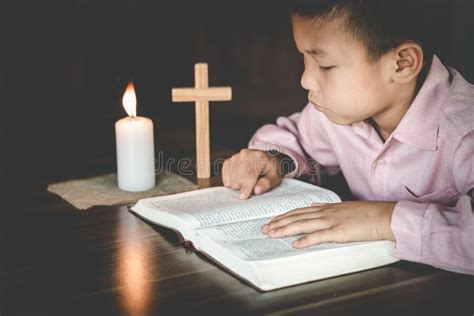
[{"x": 340, "y": 121}]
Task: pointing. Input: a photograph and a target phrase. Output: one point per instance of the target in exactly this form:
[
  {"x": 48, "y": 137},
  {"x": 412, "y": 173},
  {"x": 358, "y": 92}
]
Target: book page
[
  {"x": 245, "y": 240},
  {"x": 217, "y": 206}
]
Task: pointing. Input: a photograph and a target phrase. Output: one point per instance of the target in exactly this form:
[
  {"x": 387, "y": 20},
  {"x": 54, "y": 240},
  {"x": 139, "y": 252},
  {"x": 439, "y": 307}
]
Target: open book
[{"x": 227, "y": 230}]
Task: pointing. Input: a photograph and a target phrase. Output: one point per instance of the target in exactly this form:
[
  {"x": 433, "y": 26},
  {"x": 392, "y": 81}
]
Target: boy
[{"x": 396, "y": 121}]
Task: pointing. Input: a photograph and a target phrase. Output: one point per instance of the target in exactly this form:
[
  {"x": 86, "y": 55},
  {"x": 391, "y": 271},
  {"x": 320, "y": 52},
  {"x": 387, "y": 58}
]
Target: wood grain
[
  {"x": 209, "y": 94},
  {"x": 202, "y": 124}
]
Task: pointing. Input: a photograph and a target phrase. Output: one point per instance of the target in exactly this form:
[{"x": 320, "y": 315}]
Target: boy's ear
[{"x": 408, "y": 61}]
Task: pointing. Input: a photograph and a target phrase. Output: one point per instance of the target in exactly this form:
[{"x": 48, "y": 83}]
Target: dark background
[{"x": 64, "y": 65}]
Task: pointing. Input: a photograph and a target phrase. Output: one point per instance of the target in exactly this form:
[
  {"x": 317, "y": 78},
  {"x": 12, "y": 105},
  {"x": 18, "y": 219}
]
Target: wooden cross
[{"x": 202, "y": 94}]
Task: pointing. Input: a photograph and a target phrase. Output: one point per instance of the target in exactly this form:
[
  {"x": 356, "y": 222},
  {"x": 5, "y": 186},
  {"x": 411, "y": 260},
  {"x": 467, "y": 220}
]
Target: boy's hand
[
  {"x": 251, "y": 171},
  {"x": 337, "y": 222}
]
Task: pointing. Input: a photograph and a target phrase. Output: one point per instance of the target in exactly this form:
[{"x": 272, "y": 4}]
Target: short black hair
[{"x": 380, "y": 25}]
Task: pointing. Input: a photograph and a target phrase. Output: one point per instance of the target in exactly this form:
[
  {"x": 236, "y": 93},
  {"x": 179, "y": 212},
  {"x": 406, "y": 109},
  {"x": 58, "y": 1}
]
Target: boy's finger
[
  {"x": 245, "y": 192},
  {"x": 296, "y": 211},
  {"x": 248, "y": 185},
  {"x": 234, "y": 185},
  {"x": 226, "y": 174},
  {"x": 263, "y": 185},
  {"x": 299, "y": 227},
  {"x": 325, "y": 235},
  {"x": 232, "y": 182},
  {"x": 266, "y": 182},
  {"x": 283, "y": 221}
]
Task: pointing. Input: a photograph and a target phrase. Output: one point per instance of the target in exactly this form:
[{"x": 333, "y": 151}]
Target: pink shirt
[{"x": 426, "y": 166}]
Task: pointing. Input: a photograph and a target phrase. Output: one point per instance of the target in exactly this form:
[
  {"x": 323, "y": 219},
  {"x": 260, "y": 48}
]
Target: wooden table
[{"x": 106, "y": 261}]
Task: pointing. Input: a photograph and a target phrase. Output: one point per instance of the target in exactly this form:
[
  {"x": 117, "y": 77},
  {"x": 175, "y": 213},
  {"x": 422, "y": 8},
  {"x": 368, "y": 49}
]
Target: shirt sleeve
[
  {"x": 301, "y": 137},
  {"x": 439, "y": 235}
]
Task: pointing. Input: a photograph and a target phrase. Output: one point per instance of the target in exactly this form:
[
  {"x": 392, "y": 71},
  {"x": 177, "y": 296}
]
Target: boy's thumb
[{"x": 265, "y": 183}]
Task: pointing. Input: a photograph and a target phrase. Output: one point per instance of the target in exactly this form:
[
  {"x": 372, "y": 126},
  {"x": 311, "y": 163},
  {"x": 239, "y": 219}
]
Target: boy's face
[{"x": 342, "y": 82}]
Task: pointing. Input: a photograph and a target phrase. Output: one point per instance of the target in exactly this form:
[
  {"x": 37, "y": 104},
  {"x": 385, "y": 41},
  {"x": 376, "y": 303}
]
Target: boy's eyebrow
[{"x": 316, "y": 51}]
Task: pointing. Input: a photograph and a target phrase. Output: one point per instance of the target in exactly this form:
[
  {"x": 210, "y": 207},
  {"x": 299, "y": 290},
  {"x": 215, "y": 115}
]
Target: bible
[{"x": 227, "y": 229}]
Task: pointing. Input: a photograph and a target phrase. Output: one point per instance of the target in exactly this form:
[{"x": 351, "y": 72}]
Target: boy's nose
[{"x": 309, "y": 82}]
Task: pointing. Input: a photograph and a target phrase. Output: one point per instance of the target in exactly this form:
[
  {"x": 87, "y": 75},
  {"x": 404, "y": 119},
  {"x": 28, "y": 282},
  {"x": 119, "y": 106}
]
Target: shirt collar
[
  {"x": 419, "y": 126},
  {"x": 362, "y": 128}
]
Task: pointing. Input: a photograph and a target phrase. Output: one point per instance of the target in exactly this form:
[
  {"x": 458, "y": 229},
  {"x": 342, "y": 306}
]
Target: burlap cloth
[{"x": 103, "y": 190}]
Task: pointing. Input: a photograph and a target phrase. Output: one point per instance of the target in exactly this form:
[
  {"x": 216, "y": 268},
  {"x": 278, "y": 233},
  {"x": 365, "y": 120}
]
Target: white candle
[{"x": 135, "y": 148}]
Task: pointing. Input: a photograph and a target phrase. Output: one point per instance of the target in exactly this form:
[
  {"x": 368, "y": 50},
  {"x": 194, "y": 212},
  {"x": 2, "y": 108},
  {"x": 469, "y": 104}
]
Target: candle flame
[{"x": 129, "y": 100}]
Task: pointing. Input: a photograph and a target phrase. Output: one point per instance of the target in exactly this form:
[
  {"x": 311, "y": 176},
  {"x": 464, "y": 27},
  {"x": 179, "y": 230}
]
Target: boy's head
[{"x": 363, "y": 58}]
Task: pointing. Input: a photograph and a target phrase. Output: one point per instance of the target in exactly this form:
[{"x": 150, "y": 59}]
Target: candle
[{"x": 135, "y": 147}]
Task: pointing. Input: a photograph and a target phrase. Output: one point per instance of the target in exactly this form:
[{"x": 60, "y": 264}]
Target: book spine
[{"x": 187, "y": 244}]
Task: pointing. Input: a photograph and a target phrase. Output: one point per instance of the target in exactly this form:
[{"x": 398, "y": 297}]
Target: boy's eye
[{"x": 326, "y": 69}]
